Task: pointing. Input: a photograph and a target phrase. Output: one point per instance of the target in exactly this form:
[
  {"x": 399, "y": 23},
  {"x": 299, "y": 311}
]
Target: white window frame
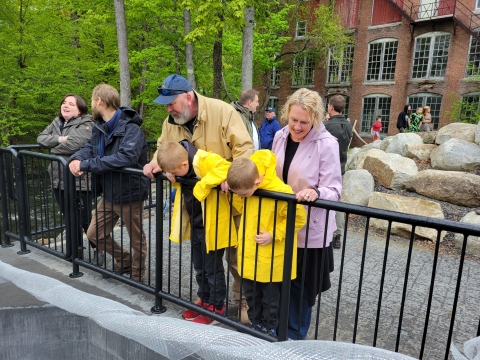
[
  {"x": 301, "y": 26},
  {"x": 273, "y": 102},
  {"x": 432, "y": 36},
  {"x": 477, "y": 5},
  {"x": 436, "y": 118},
  {"x": 382, "y": 41},
  {"x": 274, "y": 77},
  {"x": 476, "y": 71},
  {"x": 349, "y": 51},
  {"x": 304, "y": 57},
  {"x": 378, "y": 112},
  {"x": 472, "y": 94}
]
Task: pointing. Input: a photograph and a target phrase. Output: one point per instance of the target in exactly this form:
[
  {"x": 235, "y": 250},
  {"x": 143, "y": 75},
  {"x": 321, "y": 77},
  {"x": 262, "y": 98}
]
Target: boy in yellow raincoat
[
  {"x": 261, "y": 238},
  {"x": 210, "y": 227}
]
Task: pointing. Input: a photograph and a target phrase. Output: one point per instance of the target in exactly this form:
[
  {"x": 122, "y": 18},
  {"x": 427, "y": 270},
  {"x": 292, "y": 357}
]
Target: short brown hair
[
  {"x": 242, "y": 174},
  {"x": 247, "y": 95},
  {"x": 81, "y": 104},
  {"x": 170, "y": 156},
  {"x": 338, "y": 102},
  {"x": 108, "y": 94}
]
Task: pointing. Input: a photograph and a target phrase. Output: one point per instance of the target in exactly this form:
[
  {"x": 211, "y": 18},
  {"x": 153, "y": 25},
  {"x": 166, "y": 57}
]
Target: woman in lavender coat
[{"x": 308, "y": 160}]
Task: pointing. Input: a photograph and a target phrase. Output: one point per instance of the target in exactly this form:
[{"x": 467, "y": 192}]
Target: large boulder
[
  {"x": 473, "y": 242},
  {"x": 352, "y": 158},
  {"x": 358, "y": 186},
  {"x": 477, "y": 135},
  {"x": 455, "y": 187},
  {"x": 390, "y": 170},
  {"x": 456, "y": 154},
  {"x": 363, "y": 155},
  {"x": 418, "y": 151},
  {"x": 385, "y": 142},
  {"x": 373, "y": 145},
  {"x": 399, "y": 140},
  {"x": 409, "y": 205},
  {"x": 461, "y": 131}
]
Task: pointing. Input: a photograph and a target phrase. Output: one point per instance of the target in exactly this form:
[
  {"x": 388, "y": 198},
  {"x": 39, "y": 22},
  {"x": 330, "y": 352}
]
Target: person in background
[
  {"x": 117, "y": 141},
  {"x": 340, "y": 128},
  {"x": 67, "y": 133},
  {"x": 403, "y": 118},
  {"x": 427, "y": 119},
  {"x": 268, "y": 129},
  {"x": 415, "y": 121},
  {"x": 210, "y": 124},
  {"x": 308, "y": 159},
  {"x": 246, "y": 107},
  {"x": 376, "y": 128}
]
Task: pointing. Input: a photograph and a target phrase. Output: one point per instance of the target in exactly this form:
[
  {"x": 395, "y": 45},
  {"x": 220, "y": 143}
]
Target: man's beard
[
  {"x": 96, "y": 115},
  {"x": 183, "y": 118}
]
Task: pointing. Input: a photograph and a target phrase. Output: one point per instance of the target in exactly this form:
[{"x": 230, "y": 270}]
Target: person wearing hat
[
  {"x": 211, "y": 125},
  {"x": 269, "y": 127},
  {"x": 246, "y": 107}
]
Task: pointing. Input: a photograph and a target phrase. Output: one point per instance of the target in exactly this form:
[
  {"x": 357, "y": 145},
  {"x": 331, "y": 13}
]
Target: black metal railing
[{"x": 387, "y": 291}]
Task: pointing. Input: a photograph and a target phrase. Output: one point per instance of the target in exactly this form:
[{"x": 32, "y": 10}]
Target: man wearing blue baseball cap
[
  {"x": 211, "y": 125},
  {"x": 269, "y": 127}
]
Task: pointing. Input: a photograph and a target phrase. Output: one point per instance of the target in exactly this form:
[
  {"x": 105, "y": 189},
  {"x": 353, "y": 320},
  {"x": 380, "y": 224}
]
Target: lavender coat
[{"x": 315, "y": 164}]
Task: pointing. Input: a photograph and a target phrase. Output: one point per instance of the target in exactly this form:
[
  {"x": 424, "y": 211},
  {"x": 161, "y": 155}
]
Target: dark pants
[
  {"x": 263, "y": 301},
  {"x": 210, "y": 273},
  {"x": 84, "y": 216},
  {"x": 296, "y": 332}
]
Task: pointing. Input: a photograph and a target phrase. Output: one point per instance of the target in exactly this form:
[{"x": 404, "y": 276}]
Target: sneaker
[
  {"x": 205, "y": 320},
  {"x": 337, "y": 243},
  {"x": 192, "y": 314},
  {"x": 98, "y": 259},
  {"x": 243, "y": 308}
]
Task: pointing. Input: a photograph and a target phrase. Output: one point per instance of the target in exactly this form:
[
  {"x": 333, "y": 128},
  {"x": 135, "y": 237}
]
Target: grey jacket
[
  {"x": 247, "y": 117},
  {"x": 79, "y": 131}
]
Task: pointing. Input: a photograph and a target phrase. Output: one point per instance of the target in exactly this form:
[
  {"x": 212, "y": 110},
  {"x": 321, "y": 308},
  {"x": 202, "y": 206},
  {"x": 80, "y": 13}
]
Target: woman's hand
[
  {"x": 307, "y": 195},
  {"x": 263, "y": 238}
]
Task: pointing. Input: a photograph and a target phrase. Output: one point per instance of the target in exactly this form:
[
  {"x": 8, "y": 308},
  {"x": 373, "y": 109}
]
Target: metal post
[
  {"x": 3, "y": 194},
  {"x": 159, "y": 308},
  {"x": 287, "y": 272},
  {"x": 22, "y": 204},
  {"x": 71, "y": 220}
]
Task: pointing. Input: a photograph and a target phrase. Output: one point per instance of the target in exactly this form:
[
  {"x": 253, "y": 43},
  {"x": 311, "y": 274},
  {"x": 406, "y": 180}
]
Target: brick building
[{"x": 419, "y": 52}]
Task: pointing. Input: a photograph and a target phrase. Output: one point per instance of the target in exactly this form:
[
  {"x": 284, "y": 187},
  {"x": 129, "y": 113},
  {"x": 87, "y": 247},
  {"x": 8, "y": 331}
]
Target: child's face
[
  {"x": 245, "y": 192},
  {"x": 181, "y": 171},
  {"x": 379, "y": 120},
  {"x": 419, "y": 110}
]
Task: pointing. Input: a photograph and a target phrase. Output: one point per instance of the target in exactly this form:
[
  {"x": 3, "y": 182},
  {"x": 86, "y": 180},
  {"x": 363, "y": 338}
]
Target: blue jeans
[{"x": 294, "y": 310}]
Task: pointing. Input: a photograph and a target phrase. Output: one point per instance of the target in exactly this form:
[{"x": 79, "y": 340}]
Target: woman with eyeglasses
[{"x": 66, "y": 134}]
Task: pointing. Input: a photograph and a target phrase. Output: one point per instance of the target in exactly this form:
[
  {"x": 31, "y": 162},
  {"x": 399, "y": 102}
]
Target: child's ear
[
  {"x": 257, "y": 182},
  {"x": 185, "y": 164}
]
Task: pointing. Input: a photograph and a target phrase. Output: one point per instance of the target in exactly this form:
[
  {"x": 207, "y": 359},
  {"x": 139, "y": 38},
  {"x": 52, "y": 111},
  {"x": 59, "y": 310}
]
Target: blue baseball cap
[
  {"x": 270, "y": 109},
  {"x": 172, "y": 86}
]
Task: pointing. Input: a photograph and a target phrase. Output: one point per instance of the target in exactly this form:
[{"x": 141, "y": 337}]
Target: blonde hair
[
  {"x": 171, "y": 155},
  {"x": 108, "y": 94},
  {"x": 242, "y": 174},
  {"x": 426, "y": 110},
  {"x": 310, "y": 101}
]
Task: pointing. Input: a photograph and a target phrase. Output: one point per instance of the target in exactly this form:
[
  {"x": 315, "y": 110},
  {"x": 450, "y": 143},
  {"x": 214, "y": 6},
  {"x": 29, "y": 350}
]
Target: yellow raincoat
[
  {"x": 212, "y": 170},
  {"x": 247, "y": 246}
]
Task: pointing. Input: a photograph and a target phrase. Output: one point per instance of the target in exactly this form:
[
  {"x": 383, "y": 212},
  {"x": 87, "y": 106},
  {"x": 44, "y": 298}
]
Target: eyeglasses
[{"x": 167, "y": 92}]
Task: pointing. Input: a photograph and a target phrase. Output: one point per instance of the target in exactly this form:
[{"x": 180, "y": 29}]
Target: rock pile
[{"x": 400, "y": 162}]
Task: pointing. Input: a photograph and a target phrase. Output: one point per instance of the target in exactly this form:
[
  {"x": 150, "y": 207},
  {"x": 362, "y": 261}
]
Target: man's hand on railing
[
  {"x": 75, "y": 167},
  {"x": 149, "y": 170}
]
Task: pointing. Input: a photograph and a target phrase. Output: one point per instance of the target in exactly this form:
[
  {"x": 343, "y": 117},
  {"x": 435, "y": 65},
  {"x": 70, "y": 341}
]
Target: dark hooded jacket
[
  {"x": 126, "y": 148},
  {"x": 402, "y": 121}
]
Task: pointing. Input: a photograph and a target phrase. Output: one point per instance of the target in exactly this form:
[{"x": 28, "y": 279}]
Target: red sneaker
[
  {"x": 205, "y": 320},
  {"x": 192, "y": 314}
]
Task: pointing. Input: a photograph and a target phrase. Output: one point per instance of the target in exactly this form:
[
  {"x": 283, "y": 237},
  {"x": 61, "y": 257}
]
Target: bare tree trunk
[
  {"x": 125, "y": 92},
  {"x": 247, "y": 48},
  {"x": 189, "y": 50},
  {"x": 217, "y": 66}
]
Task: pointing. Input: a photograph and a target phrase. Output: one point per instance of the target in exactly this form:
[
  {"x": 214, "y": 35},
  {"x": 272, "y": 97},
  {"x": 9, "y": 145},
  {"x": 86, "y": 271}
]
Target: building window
[
  {"x": 273, "y": 102},
  {"x": 478, "y": 4},
  {"x": 301, "y": 30},
  {"x": 340, "y": 70},
  {"x": 431, "y": 55},
  {"x": 473, "y": 65},
  {"x": 347, "y": 101},
  {"x": 470, "y": 111},
  {"x": 274, "y": 77},
  {"x": 373, "y": 106},
  {"x": 432, "y": 100},
  {"x": 382, "y": 58},
  {"x": 303, "y": 66}
]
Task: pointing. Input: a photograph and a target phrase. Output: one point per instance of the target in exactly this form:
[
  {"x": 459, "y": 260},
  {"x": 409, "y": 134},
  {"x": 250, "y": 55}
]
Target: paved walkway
[{"x": 466, "y": 320}]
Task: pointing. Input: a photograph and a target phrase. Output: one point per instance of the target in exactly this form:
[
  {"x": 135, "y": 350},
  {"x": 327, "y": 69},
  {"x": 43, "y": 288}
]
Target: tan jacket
[{"x": 219, "y": 129}]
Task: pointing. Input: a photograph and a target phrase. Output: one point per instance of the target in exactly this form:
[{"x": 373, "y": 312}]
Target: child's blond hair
[
  {"x": 242, "y": 174},
  {"x": 171, "y": 155}
]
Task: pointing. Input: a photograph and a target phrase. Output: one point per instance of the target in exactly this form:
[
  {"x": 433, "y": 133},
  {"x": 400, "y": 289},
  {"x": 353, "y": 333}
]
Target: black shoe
[{"x": 337, "y": 243}]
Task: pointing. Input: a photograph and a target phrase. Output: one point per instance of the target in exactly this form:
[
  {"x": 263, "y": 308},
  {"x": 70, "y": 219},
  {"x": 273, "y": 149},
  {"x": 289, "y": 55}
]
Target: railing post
[
  {"x": 159, "y": 308},
  {"x": 71, "y": 220},
  {"x": 22, "y": 203},
  {"x": 3, "y": 194},
  {"x": 287, "y": 272}
]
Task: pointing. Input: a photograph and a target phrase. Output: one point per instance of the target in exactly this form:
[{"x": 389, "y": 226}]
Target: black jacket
[
  {"x": 126, "y": 148},
  {"x": 402, "y": 118},
  {"x": 341, "y": 128}
]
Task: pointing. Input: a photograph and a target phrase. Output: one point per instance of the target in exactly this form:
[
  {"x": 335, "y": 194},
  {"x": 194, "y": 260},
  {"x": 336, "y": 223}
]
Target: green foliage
[{"x": 465, "y": 109}]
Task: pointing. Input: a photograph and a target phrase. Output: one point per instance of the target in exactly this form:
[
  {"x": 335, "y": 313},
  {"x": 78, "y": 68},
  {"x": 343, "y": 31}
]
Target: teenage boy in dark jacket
[
  {"x": 402, "y": 120},
  {"x": 341, "y": 128},
  {"x": 117, "y": 141}
]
